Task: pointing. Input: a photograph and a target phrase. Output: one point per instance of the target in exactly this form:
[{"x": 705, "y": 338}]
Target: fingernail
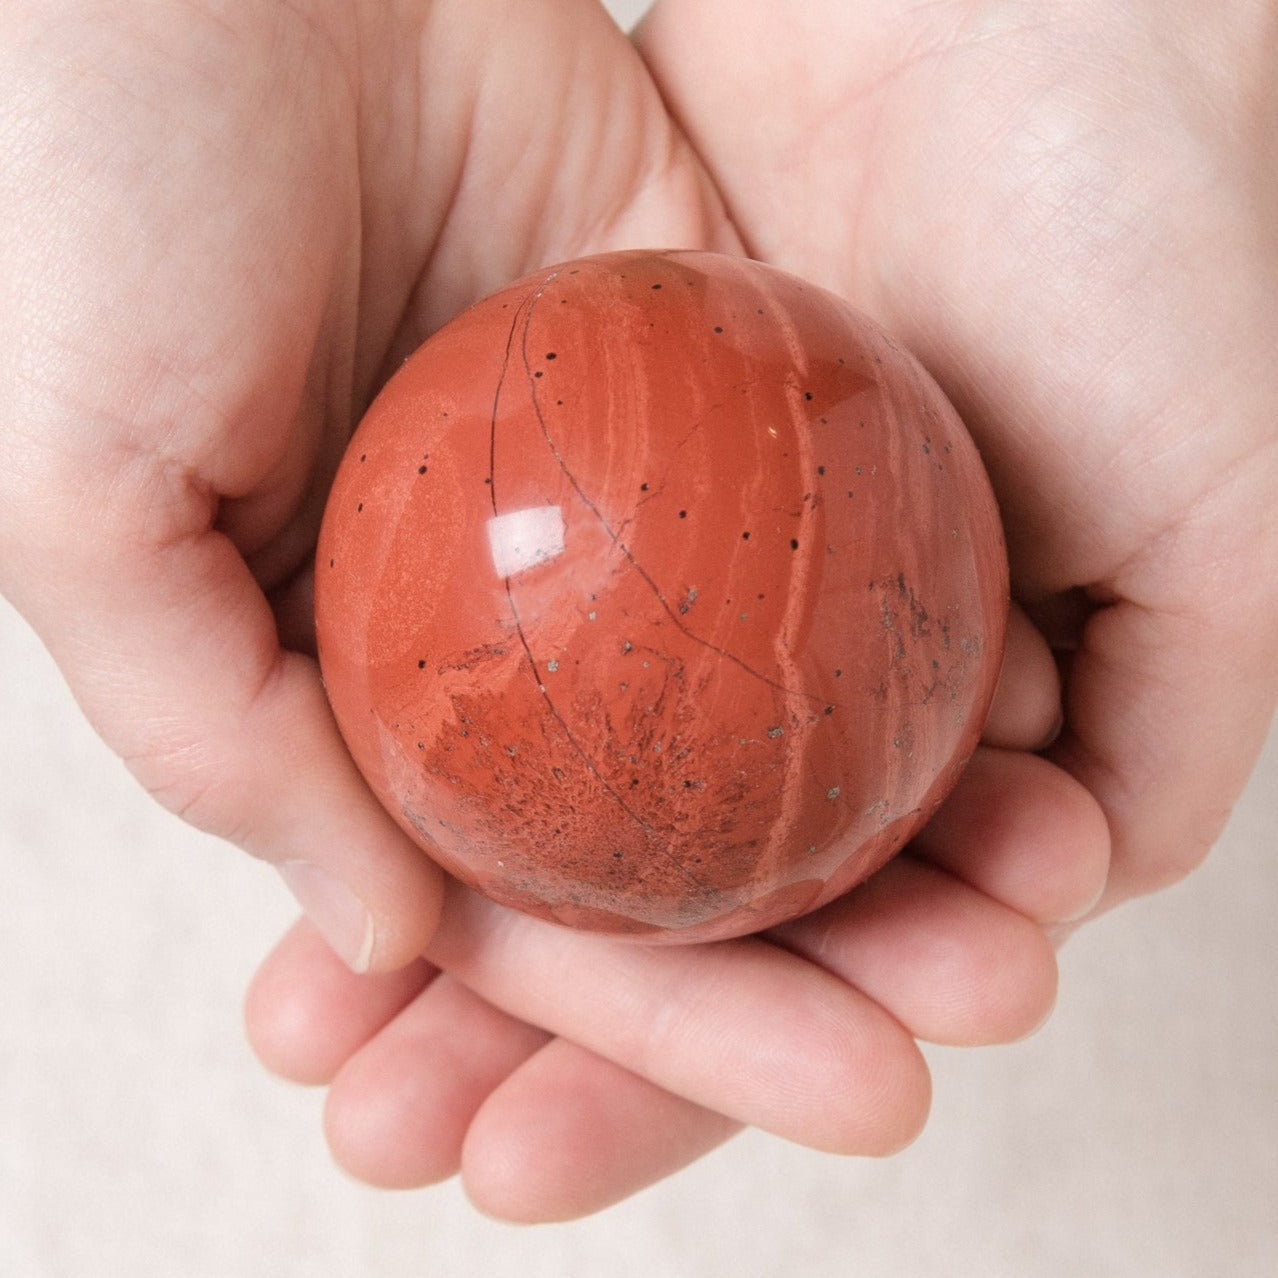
[{"x": 335, "y": 910}]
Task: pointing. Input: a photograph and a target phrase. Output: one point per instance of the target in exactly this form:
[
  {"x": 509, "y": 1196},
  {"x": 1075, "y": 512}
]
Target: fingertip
[
  {"x": 398, "y": 1111},
  {"x": 369, "y": 889},
  {"x": 404, "y": 914},
  {"x": 381, "y": 934},
  {"x": 908, "y": 1114},
  {"x": 570, "y": 1133},
  {"x": 1026, "y": 713},
  {"x": 863, "y": 1088},
  {"x": 280, "y": 1012},
  {"x": 953, "y": 966},
  {"x": 366, "y": 1129},
  {"x": 334, "y": 910},
  {"x": 305, "y": 1013},
  {"x": 1019, "y": 989},
  {"x": 1023, "y": 831}
]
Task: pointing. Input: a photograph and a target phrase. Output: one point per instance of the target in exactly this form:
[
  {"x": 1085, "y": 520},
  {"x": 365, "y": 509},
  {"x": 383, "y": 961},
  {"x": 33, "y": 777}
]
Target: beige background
[{"x": 1137, "y": 1135}]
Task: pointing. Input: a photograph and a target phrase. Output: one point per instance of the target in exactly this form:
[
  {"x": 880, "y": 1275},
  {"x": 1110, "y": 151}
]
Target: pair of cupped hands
[{"x": 225, "y": 223}]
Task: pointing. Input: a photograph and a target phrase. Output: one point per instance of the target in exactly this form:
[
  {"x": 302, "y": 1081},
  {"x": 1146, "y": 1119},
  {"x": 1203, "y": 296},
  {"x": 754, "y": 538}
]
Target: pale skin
[{"x": 226, "y": 222}]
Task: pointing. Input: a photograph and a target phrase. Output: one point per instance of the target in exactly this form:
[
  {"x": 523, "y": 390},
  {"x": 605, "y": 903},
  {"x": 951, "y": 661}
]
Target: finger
[
  {"x": 569, "y": 1133},
  {"x": 399, "y": 1109},
  {"x": 1026, "y": 712},
  {"x": 740, "y": 1027},
  {"x": 175, "y": 364},
  {"x": 1024, "y": 832},
  {"x": 1168, "y": 711},
  {"x": 951, "y": 964},
  {"x": 172, "y": 651},
  {"x": 306, "y": 1013},
  {"x": 554, "y": 1131}
]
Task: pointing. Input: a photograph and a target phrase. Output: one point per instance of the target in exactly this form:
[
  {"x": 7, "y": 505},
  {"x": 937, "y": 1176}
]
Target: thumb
[{"x": 171, "y": 649}]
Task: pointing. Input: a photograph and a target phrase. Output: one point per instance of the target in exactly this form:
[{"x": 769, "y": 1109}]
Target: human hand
[
  {"x": 1067, "y": 212},
  {"x": 186, "y": 329}
]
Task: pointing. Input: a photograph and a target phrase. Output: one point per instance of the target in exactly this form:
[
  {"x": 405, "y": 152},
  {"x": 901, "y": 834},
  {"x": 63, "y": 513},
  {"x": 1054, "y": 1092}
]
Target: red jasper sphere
[{"x": 661, "y": 594}]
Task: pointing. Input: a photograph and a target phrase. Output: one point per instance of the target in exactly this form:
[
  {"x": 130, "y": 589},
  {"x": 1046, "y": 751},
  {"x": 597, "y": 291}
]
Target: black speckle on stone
[
  {"x": 421, "y": 665},
  {"x": 359, "y": 508},
  {"x": 683, "y": 514},
  {"x": 794, "y": 543},
  {"x": 745, "y": 536},
  {"x": 718, "y": 328},
  {"x": 551, "y": 355},
  {"x": 421, "y": 470},
  {"x": 829, "y": 709},
  {"x": 656, "y": 288},
  {"x": 820, "y": 470},
  {"x": 808, "y": 395},
  {"x": 643, "y": 488}
]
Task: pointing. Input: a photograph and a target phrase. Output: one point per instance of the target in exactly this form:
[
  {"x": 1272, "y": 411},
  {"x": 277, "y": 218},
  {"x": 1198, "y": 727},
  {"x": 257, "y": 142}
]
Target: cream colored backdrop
[{"x": 1137, "y": 1135}]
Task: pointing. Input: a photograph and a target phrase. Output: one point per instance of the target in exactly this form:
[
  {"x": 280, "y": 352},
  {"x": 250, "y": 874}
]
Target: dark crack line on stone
[
  {"x": 526, "y": 308},
  {"x": 625, "y": 550}
]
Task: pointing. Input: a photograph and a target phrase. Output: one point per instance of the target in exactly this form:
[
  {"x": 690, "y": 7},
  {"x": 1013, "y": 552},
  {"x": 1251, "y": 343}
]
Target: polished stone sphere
[{"x": 661, "y": 594}]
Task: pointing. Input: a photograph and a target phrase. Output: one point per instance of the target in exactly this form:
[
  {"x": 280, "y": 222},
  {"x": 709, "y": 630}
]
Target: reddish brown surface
[{"x": 661, "y": 594}]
